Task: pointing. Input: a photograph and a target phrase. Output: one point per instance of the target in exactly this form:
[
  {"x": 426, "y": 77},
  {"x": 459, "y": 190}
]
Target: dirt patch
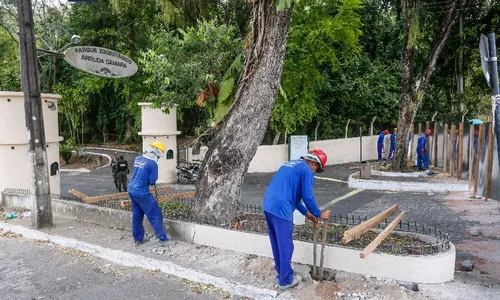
[{"x": 87, "y": 161}]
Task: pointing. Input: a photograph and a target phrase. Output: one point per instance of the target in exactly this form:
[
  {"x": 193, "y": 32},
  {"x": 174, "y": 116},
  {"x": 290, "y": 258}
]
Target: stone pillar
[
  {"x": 13, "y": 152},
  {"x": 159, "y": 126}
]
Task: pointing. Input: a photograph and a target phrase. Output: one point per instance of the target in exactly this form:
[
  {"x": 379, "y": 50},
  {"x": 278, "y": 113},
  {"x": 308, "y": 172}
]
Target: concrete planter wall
[
  {"x": 398, "y": 186},
  {"x": 421, "y": 269}
]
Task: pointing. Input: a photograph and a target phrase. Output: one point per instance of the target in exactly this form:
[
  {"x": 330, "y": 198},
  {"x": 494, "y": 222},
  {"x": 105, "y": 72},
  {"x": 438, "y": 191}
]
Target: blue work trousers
[
  {"x": 391, "y": 152},
  {"x": 423, "y": 158},
  {"x": 379, "y": 149},
  {"x": 146, "y": 205},
  {"x": 280, "y": 234}
]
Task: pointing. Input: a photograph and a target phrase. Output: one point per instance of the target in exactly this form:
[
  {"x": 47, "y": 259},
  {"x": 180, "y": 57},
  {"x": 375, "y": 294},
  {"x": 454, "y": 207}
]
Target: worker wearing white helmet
[{"x": 145, "y": 175}]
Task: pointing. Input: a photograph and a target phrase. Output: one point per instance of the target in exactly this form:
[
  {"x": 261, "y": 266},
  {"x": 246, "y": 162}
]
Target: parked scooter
[{"x": 187, "y": 172}]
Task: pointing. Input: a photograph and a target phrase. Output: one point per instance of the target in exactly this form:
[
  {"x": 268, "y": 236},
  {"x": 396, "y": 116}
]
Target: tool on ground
[
  {"x": 315, "y": 241},
  {"x": 156, "y": 193},
  {"x": 322, "y": 259}
]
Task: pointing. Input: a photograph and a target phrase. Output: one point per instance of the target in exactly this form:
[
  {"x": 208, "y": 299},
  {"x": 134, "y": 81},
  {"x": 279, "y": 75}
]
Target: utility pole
[{"x": 38, "y": 173}]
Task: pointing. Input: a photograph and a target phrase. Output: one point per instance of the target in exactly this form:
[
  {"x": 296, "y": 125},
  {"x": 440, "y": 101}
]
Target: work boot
[
  {"x": 165, "y": 243},
  {"x": 296, "y": 280},
  {"x": 138, "y": 243}
]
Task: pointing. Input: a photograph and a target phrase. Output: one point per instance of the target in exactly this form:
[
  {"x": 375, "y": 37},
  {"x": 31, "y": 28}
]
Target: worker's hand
[
  {"x": 325, "y": 215},
  {"x": 311, "y": 218}
]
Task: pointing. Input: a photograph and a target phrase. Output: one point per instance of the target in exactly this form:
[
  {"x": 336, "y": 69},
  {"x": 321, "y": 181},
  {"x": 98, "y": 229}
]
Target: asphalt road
[{"x": 30, "y": 270}]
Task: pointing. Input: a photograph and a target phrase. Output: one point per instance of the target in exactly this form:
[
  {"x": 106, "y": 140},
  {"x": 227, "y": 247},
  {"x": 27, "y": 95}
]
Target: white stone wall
[
  {"x": 13, "y": 153},
  {"x": 159, "y": 126}
]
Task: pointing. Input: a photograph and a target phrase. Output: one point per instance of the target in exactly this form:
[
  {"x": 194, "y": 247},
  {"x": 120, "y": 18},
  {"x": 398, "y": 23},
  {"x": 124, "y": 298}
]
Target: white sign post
[
  {"x": 100, "y": 61},
  {"x": 299, "y": 146}
]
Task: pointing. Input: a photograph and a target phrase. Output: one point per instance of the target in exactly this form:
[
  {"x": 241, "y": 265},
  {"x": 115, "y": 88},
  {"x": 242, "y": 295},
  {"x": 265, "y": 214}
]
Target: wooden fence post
[
  {"x": 471, "y": 153},
  {"x": 445, "y": 148},
  {"x": 460, "y": 150},
  {"x": 435, "y": 141},
  {"x": 452, "y": 152},
  {"x": 478, "y": 158},
  {"x": 412, "y": 141}
]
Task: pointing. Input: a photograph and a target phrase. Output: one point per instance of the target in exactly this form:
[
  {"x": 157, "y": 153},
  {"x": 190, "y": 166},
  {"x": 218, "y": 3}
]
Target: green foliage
[
  {"x": 66, "y": 152},
  {"x": 184, "y": 63},
  {"x": 317, "y": 44}
]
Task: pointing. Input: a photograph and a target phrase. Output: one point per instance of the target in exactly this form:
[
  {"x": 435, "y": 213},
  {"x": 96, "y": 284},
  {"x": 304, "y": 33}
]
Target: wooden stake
[
  {"x": 445, "y": 148},
  {"x": 452, "y": 152},
  {"x": 359, "y": 229},
  {"x": 315, "y": 251},
  {"x": 428, "y": 141},
  {"x": 460, "y": 150},
  {"x": 127, "y": 203},
  {"x": 435, "y": 151},
  {"x": 419, "y": 129},
  {"x": 471, "y": 153},
  {"x": 490, "y": 162},
  {"x": 374, "y": 244},
  {"x": 78, "y": 194},
  {"x": 412, "y": 141},
  {"x": 478, "y": 158},
  {"x": 120, "y": 195},
  {"x": 323, "y": 245}
]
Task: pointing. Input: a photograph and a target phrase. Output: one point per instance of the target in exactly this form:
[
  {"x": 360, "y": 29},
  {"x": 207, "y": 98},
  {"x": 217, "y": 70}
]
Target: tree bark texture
[
  {"x": 236, "y": 141},
  {"x": 413, "y": 87}
]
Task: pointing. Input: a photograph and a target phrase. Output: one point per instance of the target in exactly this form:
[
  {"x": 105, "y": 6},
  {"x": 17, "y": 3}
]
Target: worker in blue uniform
[
  {"x": 380, "y": 143},
  {"x": 292, "y": 183},
  {"x": 145, "y": 175},
  {"x": 422, "y": 153},
  {"x": 393, "y": 143}
]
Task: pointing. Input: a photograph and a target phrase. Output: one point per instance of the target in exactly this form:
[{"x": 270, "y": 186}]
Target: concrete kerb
[
  {"x": 111, "y": 149},
  {"x": 398, "y": 186},
  {"x": 398, "y": 174},
  {"x": 83, "y": 170},
  {"x": 421, "y": 269},
  {"x": 133, "y": 260}
]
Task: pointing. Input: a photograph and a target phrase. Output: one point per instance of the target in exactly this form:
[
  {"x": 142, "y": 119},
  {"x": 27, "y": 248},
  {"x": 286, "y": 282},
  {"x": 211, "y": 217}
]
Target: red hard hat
[
  {"x": 318, "y": 156},
  {"x": 386, "y": 131},
  {"x": 428, "y": 131}
]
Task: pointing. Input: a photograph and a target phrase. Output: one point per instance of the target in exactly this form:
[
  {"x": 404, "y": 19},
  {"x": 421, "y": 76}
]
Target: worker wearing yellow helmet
[{"x": 145, "y": 175}]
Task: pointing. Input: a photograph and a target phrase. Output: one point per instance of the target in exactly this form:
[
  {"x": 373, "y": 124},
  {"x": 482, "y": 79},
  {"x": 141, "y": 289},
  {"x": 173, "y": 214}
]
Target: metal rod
[
  {"x": 322, "y": 259},
  {"x": 315, "y": 242}
]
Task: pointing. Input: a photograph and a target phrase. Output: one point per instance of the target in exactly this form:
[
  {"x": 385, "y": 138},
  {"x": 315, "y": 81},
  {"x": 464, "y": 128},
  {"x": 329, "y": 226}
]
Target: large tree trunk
[
  {"x": 413, "y": 87},
  {"x": 236, "y": 141}
]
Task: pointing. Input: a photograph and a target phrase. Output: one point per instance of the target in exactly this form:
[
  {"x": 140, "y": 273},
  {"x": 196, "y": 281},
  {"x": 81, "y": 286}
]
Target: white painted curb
[
  {"x": 399, "y": 174},
  {"x": 110, "y": 149},
  {"x": 133, "y": 260},
  {"x": 81, "y": 170},
  {"x": 400, "y": 186}
]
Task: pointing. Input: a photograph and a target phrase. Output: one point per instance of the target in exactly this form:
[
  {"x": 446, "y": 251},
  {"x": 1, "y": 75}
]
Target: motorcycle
[{"x": 187, "y": 172}]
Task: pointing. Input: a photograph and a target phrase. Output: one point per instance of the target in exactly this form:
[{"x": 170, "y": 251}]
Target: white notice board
[{"x": 298, "y": 146}]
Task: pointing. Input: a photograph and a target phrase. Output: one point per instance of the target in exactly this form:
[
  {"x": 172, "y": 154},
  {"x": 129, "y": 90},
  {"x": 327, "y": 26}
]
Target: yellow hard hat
[
  {"x": 158, "y": 145},
  {"x": 395, "y": 129}
]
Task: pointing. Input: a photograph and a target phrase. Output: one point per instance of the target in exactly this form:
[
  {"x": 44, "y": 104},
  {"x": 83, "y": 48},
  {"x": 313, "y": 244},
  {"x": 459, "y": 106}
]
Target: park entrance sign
[{"x": 100, "y": 61}]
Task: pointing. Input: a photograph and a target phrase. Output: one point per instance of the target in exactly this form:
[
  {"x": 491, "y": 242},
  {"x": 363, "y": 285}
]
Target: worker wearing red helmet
[
  {"x": 422, "y": 153},
  {"x": 293, "y": 182},
  {"x": 380, "y": 142}
]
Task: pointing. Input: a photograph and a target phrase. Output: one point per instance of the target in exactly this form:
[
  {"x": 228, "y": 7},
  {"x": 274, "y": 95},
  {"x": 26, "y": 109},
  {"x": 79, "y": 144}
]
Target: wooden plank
[
  {"x": 428, "y": 141},
  {"x": 412, "y": 141},
  {"x": 122, "y": 195},
  {"x": 445, "y": 148},
  {"x": 460, "y": 150},
  {"x": 78, "y": 194},
  {"x": 452, "y": 152},
  {"x": 435, "y": 141},
  {"x": 359, "y": 229},
  {"x": 471, "y": 153},
  {"x": 478, "y": 158},
  {"x": 490, "y": 163},
  {"x": 374, "y": 244},
  {"x": 127, "y": 203}
]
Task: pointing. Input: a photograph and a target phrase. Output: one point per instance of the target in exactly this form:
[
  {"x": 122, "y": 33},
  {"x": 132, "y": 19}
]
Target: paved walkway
[{"x": 34, "y": 270}]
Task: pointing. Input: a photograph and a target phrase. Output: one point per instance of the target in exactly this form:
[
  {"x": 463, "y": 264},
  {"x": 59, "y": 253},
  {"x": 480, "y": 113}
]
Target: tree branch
[{"x": 442, "y": 33}]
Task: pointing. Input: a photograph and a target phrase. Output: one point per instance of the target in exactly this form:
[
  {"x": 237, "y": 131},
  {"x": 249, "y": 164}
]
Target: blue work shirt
[
  {"x": 380, "y": 140},
  {"x": 145, "y": 174},
  {"x": 393, "y": 140},
  {"x": 293, "y": 181},
  {"x": 422, "y": 141}
]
